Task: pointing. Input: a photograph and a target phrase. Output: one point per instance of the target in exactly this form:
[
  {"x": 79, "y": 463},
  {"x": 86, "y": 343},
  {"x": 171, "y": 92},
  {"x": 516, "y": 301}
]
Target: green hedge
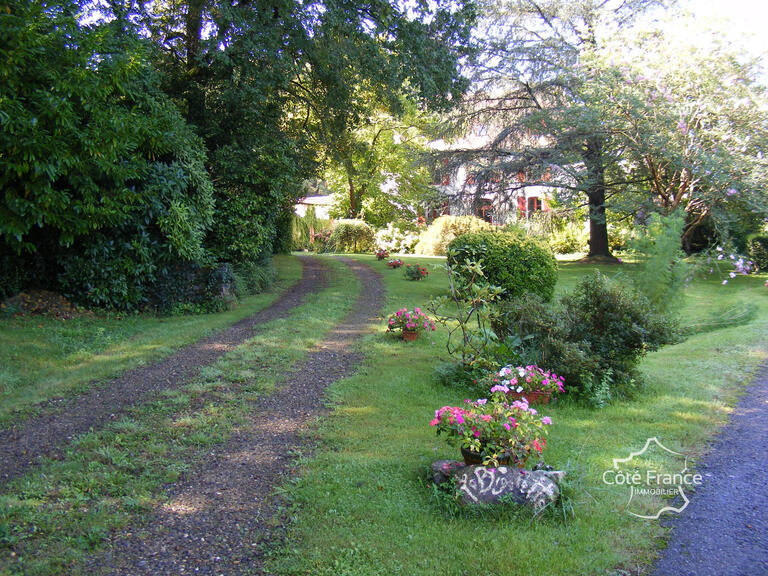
[{"x": 516, "y": 263}]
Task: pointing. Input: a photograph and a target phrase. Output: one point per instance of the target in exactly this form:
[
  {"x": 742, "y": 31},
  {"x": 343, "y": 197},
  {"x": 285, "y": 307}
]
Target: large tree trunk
[
  {"x": 194, "y": 96},
  {"x": 353, "y": 211},
  {"x": 598, "y": 226}
]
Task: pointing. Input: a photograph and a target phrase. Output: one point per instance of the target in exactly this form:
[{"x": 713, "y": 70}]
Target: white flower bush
[{"x": 396, "y": 239}]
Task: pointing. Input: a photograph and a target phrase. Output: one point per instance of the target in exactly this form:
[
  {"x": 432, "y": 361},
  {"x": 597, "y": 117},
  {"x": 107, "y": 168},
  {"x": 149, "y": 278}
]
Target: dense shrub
[
  {"x": 253, "y": 277},
  {"x": 13, "y": 276},
  {"x": 594, "y": 338},
  {"x": 512, "y": 261},
  {"x": 435, "y": 239},
  {"x": 189, "y": 287},
  {"x": 351, "y": 236},
  {"x": 113, "y": 269},
  {"x": 400, "y": 237},
  {"x": 757, "y": 249},
  {"x": 569, "y": 239},
  {"x": 618, "y": 324}
]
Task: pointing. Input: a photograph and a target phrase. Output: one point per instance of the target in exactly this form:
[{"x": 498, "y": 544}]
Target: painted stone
[{"x": 486, "y": 485}]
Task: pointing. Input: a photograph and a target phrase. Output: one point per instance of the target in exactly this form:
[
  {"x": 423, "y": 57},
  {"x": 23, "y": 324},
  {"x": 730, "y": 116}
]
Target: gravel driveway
[{"x": 724, "y": 530}]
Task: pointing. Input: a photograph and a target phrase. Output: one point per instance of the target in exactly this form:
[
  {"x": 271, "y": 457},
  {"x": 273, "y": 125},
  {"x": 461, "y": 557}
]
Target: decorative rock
[
  {"x": 485, "y": 485},
  {"x": 442, "y": 470}
]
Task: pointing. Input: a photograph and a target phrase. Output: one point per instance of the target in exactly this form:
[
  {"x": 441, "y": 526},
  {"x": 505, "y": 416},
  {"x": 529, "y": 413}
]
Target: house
[
  {"x": 457, "y": 195},
  {"x": 321, "y": 204}
]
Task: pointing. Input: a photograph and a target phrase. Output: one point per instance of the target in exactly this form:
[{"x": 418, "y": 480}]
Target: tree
[
  {"x": 383, "y": 180},
  {"x": 530, "y": 87},
  {"x": 634, "y": 120},
  {"x": 95, "y": 158},
  {"x": 691, "y": 126},
  {"x": 369, "y": 105}
]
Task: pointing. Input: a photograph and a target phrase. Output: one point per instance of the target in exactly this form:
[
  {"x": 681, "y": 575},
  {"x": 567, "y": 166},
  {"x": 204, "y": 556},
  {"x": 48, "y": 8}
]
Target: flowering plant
[
  {"x": 395, "y": 263},
  {"x": 415, "y": 272},
  {"x": 526, "y": 379},
  {"x": 381, "y": 254},
  {"x": 409, "y": 321},
  {"x": 495, "y": 429}
]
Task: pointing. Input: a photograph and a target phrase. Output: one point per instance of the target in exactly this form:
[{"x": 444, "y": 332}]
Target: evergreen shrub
[
  {"x": 354, "y": 236},
  {"x": 511, "y": 261}
]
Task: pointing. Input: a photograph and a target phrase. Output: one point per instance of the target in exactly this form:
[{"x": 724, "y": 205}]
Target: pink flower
[
  {"x": 506, "y": 426},
  {"x": 547, "y": 421},
  {"x": 435, "y": 422}
]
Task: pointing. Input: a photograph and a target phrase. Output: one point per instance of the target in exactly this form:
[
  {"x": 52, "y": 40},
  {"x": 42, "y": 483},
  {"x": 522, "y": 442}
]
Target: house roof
[{"x": 316, "y": 201}]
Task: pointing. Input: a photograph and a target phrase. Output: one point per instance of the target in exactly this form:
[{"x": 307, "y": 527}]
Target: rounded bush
[
  {"x": 351, "y": 236},
  {"x": 435, "y": 239},
  {"x": 514, "y": 262}
]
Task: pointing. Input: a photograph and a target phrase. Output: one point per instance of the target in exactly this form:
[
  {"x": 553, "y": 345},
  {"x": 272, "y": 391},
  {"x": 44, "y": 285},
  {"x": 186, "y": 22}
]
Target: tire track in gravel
[
  {"x": 724, "y": 529},
  {"x": 46, "y": 435},
  {"x": 216, "y": 520}
]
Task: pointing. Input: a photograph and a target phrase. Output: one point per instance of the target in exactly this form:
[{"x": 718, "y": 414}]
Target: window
[
  {"x": 534, "y": 205},
  {"x": 485, "y": 212}
]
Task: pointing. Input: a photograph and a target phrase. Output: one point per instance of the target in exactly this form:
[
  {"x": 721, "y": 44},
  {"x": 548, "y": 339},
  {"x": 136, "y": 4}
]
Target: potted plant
[
  {"x": 409, "y": 323},
  {"x": 395, "y": 263},
  {"x": 493, "y": 432},
  {"x": 415, "y": 272},
  {"x": 531, "y": 383},
  {"x": 381, "y": 254}
]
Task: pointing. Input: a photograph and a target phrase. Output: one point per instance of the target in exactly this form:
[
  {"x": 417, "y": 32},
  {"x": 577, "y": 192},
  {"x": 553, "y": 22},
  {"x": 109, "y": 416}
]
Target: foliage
[
  {"x": 663, "y": 270},
  {"x": 467, "y": 310},
  {"x": 253, "y": 277},
  {"x": 757, "y": 249},
  {"x": 92, "y": 147},
  {"x": 375, "y": 175},
  {"x": 187, "y": 287},
  {"x": 497, "y": 430},
  {"x": 594, "y": 339},
  {"x": 435, "y": 239},
  {"x": 310, "y": 232},
  {"x": 695, "y": 140},
  {"x": 415, "y": 272},
  {"x": 617, "y": 325},
  {"x": 100, "y": 171},
  {"x": 351, "y": 236},
  {"x": 513, "y": 262},
  {"x": 400, "y": 237},
  {"x": 569, "y": 239},
  {"x": 605, "y": 111},
  {"x": 406, "y": 320}
]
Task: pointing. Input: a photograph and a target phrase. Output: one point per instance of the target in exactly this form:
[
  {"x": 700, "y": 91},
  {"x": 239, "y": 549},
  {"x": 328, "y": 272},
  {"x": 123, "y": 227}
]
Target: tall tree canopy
[
  {"x": 579, "y": 101},
  {"x": 185, "y": 129}
]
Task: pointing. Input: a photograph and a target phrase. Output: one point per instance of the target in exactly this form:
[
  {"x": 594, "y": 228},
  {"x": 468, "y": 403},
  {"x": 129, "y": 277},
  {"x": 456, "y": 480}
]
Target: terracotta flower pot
[
  {"x": 410, "y": 336},
  {"x": 475, "y": 458}
]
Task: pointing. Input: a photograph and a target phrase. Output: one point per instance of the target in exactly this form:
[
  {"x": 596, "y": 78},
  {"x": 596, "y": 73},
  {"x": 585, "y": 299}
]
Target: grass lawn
[
  {"x": 58, "y": 515},
  {"x": 42, "y": 357},
  {"x": 363, "y": 506}
]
